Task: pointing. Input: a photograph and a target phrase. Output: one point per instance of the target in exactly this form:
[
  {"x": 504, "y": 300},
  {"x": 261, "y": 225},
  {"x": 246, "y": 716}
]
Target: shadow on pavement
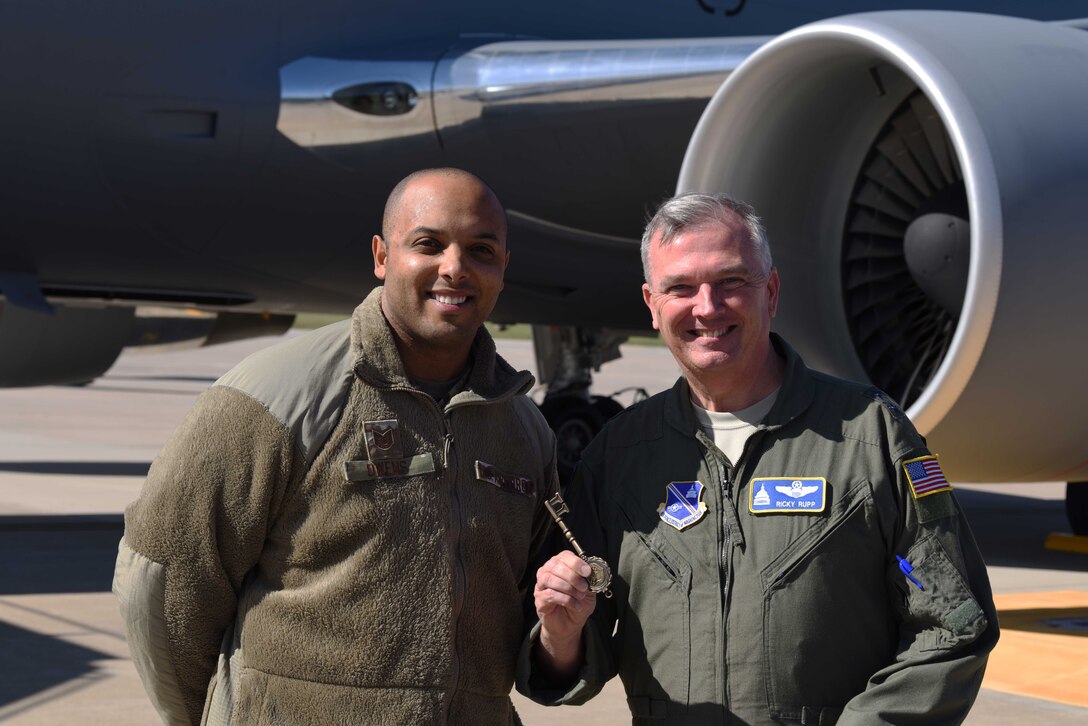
[
  {"x": 1010, "y": 530},
  {"x": 58, "y": 554},
  {"x": 180, "y": 379},
  {"x": 32, "y": 663},
  {"x": 78, "y": 468},
  {"x": 106, "y": 388}
]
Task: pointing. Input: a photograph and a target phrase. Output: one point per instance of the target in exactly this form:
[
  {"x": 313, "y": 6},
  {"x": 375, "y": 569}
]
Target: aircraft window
[{"x": 378, "y": 99}]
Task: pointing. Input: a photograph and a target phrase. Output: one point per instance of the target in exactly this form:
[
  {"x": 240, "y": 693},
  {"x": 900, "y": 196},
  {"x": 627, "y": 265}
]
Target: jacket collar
[
  {"x": 798, "y": 387},
  {"x": 793, "y": 398},
  {"x": 378, "y": 362}
]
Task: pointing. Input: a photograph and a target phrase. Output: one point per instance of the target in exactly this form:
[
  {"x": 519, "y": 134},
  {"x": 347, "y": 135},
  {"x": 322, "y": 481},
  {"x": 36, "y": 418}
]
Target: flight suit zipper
[
  {"x": 725, "y": 574},
  {"x": 727, "y": 521},
  {"x": 723, "y": 555},
  {"x": 730, "y": 474}
]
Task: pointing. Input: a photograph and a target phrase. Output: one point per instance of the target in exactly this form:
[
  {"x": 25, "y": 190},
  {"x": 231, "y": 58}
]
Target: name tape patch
[
  {"x": 388, "y": 468},
  {"x": 787, "y": 494},
  {"x": 510, "y": 483}
]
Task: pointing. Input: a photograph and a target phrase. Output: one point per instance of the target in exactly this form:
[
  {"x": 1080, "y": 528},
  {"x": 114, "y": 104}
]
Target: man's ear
[
  {"x": 380, "y": 252},
  {"x": 505, "y": 264},
  {"x": 647, "y": 298},
  {"x": 772, "y": 292}
]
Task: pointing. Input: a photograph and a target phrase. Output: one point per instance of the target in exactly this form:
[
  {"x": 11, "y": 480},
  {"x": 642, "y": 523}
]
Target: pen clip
[{"x": 907, "y": 568}]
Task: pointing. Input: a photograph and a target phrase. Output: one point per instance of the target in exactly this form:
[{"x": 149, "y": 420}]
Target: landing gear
[
  {"x": 566, "y": 357},
  {"x": 575, "y": 422},
  {"x": 1076, "y": 506}
]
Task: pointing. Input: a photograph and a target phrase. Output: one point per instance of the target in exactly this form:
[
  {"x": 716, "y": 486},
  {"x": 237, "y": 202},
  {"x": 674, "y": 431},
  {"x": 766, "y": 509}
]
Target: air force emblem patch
[
  {"x": 683, "y": 505},
  {"x": 787, "y": 494}
]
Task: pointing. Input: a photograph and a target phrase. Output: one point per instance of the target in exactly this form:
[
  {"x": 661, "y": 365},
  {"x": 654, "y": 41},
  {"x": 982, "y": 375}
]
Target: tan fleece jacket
[{"x": 271, "y": 573}]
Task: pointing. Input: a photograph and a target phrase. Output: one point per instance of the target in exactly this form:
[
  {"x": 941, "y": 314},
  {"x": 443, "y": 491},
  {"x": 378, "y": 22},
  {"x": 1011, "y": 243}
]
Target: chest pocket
[
  {"x": 657, "y": 584},
  {"x": 823, "y": 589},
  {"x": 657, "y": 558},
  {"x": 812, "y": 542}
]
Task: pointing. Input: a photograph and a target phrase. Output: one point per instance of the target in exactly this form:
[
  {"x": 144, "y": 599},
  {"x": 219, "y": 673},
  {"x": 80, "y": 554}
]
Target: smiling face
[
  {"x": 712, "y": 301},
  {"x": 442, "y": 264}
]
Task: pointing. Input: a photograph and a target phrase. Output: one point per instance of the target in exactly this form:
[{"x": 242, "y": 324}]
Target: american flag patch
[{"x": 925, "y": 476}]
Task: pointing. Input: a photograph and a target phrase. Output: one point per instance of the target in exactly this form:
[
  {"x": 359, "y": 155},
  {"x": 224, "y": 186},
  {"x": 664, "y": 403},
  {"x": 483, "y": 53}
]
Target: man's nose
[
  {"x": 453, "y": 263},
  {"x": 707, "y": 300}
]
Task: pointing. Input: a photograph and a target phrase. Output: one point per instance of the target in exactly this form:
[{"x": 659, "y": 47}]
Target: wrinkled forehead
[{"x": 710, "y": 238}]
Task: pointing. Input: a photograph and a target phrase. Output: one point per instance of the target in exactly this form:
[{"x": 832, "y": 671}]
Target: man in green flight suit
[{"x": 785, "y": 548}]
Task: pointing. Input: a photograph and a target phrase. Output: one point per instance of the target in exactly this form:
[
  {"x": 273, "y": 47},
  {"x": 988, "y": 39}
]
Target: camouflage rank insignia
[
  {"x": 385, "y": 455},
  {"x": 382, "y": 441}
]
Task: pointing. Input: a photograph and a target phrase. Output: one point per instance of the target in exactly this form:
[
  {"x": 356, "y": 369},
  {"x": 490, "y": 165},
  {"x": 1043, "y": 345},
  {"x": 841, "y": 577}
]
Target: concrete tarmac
[{"x": 71, "y": 458}]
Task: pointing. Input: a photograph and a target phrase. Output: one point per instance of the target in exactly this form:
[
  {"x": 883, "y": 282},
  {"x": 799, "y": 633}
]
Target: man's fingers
[
  {"x": 549, "y": 602},
  {"x": 562, "y": 595},
  {"x": 561, "y": 581},
  {"x": 566, "y": 572}
]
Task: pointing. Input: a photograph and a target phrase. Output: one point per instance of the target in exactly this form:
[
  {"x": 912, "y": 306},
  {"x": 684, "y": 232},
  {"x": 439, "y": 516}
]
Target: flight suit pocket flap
[
  {"x": 943, "y": 598},
  {"x": 804, "y": 546},
  {"x": 655, "y": 544}
]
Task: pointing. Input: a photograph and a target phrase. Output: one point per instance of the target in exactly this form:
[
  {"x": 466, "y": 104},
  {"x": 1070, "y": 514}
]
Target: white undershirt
[{"x": 729, "y": 431}]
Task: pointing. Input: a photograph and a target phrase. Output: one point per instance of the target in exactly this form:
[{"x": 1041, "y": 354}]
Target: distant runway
[{"x": 71, "y": 458}]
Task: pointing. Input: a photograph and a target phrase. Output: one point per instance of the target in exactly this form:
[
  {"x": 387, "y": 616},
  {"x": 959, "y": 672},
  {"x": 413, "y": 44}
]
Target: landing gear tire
[
  {"x": 607, "y": 407},
  {"x": 1076, "y": 506},
  {"x": 575, "y": 422}
]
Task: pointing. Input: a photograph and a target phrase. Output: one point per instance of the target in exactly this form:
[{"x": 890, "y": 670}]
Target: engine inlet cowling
[{"x": 921, "y": 176}]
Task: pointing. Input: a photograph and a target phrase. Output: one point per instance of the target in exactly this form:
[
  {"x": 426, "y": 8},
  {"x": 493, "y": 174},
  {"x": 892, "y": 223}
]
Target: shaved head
[
  {"x": 396, "y": 197},
  {"x": 441, "y": 260}
]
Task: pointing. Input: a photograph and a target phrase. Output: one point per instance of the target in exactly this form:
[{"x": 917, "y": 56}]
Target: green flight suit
[{"x": 777, "y": 617}]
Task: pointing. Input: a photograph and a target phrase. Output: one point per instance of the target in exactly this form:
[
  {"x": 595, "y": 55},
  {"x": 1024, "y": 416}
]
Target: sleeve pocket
[{"x": 943, "y": 609}]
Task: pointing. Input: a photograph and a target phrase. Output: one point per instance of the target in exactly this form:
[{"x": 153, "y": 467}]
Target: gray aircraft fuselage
[{"x": 142, "y": 159}]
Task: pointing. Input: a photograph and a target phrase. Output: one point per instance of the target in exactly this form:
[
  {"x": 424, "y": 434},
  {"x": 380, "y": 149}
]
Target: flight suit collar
[
  {"x": 794, "y": 397},
  {"x": 798, "y": 388}
]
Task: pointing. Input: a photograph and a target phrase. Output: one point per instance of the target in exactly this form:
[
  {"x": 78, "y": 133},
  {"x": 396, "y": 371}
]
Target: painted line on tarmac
[
  {"x": 1041, "y": 653},
  {"x": 1062, "y": 542}
]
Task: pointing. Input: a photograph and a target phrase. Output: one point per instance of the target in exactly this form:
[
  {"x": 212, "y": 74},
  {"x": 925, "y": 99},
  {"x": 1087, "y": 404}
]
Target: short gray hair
[{"x": 693, "y": 210}]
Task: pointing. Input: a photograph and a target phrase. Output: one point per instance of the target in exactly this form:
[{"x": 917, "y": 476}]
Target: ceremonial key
[{"x": 600, "y": 576}]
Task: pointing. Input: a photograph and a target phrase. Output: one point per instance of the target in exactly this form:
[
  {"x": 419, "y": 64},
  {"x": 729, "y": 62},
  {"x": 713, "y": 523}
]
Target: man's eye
[
  {"x": 679, "y": 290},
  {"x": 484, "y": 250},
  {"x": 733, "y": 283},
  {"x": 426, "y": 243}
]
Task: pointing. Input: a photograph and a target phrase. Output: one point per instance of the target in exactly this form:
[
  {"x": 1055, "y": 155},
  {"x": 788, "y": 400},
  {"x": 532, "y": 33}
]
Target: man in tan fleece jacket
[{"x": 341, "y": 531}]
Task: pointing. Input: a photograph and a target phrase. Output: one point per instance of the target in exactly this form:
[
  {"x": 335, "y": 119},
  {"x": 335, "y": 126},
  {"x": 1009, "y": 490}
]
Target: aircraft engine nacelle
[
  {"x": 72, "y": 345},
  {"x": 78, "y": 343},
  {"x": 923, "y": 177}
]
